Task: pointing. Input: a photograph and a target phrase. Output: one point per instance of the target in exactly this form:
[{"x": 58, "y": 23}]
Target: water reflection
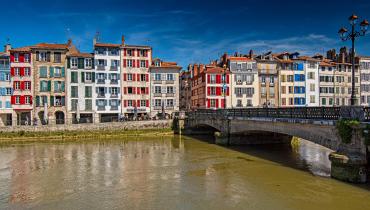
[{"x": 170, "y": 173}]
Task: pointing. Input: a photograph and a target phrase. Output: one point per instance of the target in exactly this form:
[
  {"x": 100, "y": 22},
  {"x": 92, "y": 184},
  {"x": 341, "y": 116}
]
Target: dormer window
[
  {"x": 285, "y": 57},
  {"x": 157, "y": 63}
]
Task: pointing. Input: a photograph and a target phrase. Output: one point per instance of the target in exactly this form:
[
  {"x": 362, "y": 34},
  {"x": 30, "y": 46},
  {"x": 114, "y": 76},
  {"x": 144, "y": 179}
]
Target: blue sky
[{"x": 186, "y": 31}]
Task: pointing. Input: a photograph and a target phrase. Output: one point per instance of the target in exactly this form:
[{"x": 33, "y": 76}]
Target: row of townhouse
[
  {"x": 276, "y": 80},
  {"x": 51, "y": 83}
]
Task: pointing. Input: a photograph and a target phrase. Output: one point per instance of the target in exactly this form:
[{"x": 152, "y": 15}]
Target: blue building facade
[{"x": 6, "y": 89}]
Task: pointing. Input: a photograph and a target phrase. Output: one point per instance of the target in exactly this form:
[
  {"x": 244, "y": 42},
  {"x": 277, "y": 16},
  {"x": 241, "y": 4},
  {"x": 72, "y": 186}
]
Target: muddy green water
[{"x": 172, "y": 173}]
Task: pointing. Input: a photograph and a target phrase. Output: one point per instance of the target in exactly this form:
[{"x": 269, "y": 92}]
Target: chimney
[
  {"x": 123, "y": 40},
  {"x": 69, "y": 43},
  {"x": 7, "y": 47}
]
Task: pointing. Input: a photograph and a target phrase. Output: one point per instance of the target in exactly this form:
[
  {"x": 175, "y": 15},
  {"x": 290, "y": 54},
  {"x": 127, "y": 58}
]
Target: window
[
  {"x": 58, "y": 86},
  {"x": 157, "y": 89},
  {"x": 88, "y": 104},
  {"x": 16, "y": 57},
  {"x": 27, "y": 85},
  {"x": 323, "y": 101},
  {"x": 213, "y": 103},
  {"x": 57, "y": 57},
  {"x": 283, "y": 89},
  {"x": 74, "y": 77},
  {"x": 312, "y": 87},
  {"x": 143, "y": 103},
  {"x": 143, "y": 63},
  {"x": 74, "y": 103},
  {"x": 88, "y": 91},
  {"x": 44, "y": 86},
  {"x": 114, "y": 63},
  {"x": 290, "y": 78},
  {"x": 272, "y": 79},
  {"x": 213, "y": 91},
  {"x": 43, "y": 72},
  {"x": 129, "y": 77},
  {"x": 114, "y": 52},
  {"x": 170, "y": 89},
  {"x": 27, "y": 58},
  {"x": 101, "y": 103},
  {"x": 42, "y": 56},
  {"x": 142, "y": 53},
  {"x": 170, "y": 77},
  {"x": 101, "y": 62},
  {"x": 57, "y": 71},
  {"x": 239, "y": 103},
  {"x": 142, "y": 77},
  {"x": 17, "y": 85},
  {"x": 17, "y": 72},
  {"x": 157, "y": 77},
  {"x": 101, "y": 91},
  {"x": 100, "y": 51},
  {"x": 157, "y": 63},
  {"x": 74, "y": 63},
  {"x": 213, "y": 79},
  {"x": 290, "y": 88},
  {"x": 88, "y": 62},
  {"x": 129, "y": 52},
  {"x": 8, "y": 91},
  {"x": 238, "y": 92},
  {"x": 17, "y": 100},
  {"x": 312, "y": 99},
  {"x": 88, "y": 76},
  {"x": 158, "y": 102},
  {"x": 263, "y": 79},
  {"x": 27, "y": 71},
  {"x": 74, "y": 91},
  {"x": 169, "y": 103},
  {"x": 130, "y": 63},
  {"x": 114, "y": 91},
  {"x": 114, "y": 103},
  {"x": 130, "y": 90},
  {"x": 7, "y": 77},
  {"x": 311, "y": 75}
]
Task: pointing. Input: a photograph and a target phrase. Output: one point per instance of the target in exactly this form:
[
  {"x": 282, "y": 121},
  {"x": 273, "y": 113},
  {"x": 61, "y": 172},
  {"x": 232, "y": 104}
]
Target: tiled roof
[
  {"x": 83, "y": 55},
  {"x": 307, "y": 58},
  {"x": 239, "y": 59},
  {"x": 219, "y": 70},
  {"x": 21, "y": 49},
  {"x": 50, "y": 46},
  {"x": 106, "y": 45},
  {"x": 136, "y": 46}
]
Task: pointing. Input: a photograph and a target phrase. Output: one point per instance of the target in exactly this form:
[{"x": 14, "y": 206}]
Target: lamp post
[{"x": 352, "y": 35}]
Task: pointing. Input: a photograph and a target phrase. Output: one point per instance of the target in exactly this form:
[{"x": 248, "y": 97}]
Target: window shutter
[
  {"x": 82, "y": 76},
  {"x": 133, "y": 90},
  {"x": 69, "y": 63},
  {"x": 147, "y": 77},
  {"x": 124, "y": 63},
  {"x": 147, "y": 90},
  {"x": 63, "y": 86},
  {"x": 133, "y": 77},
  {"x": 51, "y": 70},
  {"x": 124, "y": 76},
  {"x": 217, "y": 103},
  {"x": 22, "y": 71},
  {"x": 63, "y": 71},
  {"x": 138, "y": 90},
  {"x": 222, "y": 103},
  {"x": 37, "y": 101},
  {"x": 208, "y": 103},
  {"x": 48, "y": 56},
  {"x": 93, "y": 77},
  {"x": 147, "y": 103},
  {"x": 49, "y": 85},
  {"x": 22, "y": 85},
  {"x": 138, "y": 103},
  {"x": 227, "y": 91},
  {"x": 138, "y": 77},
  {"x": 63, "y": 101},
  {"x": 227, "y": 79},
  {"x": 138, "y": 63},
  {"x": 125, "y": 90},
  {"x": 208, "y": 90},
  {"x": 2, "y": 76},
  {"x": 146, "y": 63},
  {"x": 51, "y": 100},
  {"x": 55, "y": 85},
  {"x": 12, "y": 71}
]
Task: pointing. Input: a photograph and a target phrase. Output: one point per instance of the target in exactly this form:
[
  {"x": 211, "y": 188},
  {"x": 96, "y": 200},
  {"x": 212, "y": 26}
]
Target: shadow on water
[{"x": 299, "y": 154}]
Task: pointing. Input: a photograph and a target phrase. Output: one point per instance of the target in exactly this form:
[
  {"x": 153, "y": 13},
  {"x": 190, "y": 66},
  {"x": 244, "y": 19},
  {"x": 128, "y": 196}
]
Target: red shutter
[
  {"x": 138, "y": 90},
  {"x": 147, "y": 64},
  {"x": 12, "y": 100},
  {"x": 147, "y": 77},
  {"x": 138, "y": 63},
  {"x": 208, "y": 103},
  {"x": 21, "y": 57},
  {"x": 216, "y": 103},
  {"x": 11, "y": 57},
  {"x": 227, "y": 79},
  {"x": 31, "y": 100},
  {"x": 138, "y": 77},
  {"x": 125, "y": 90},
  {"x": 134, "y": 103},
  {"x": 125, "y": 103},
  {"x": 12, "y": 71},
  {"x": 124, "y": 76},
  {"x": 22, "y": 85},
  {"x": 124, "y": 52},
  {"x": 22, "y": 71},
  {"x": 208, "y": 90},
  {"x": 218, "y": 79},
  {"x": 218, "y": 91},
  {"x": 138, "y": 103},
  {"x": 124, "y": 62},
  {"x": 146, "y": 90},
  {"x": 147, "y": 103},
  {"x": 208, "y": 79},
  {"x": 14, "y": 85},
  {"x": 133, "y": 63},
  {"x": 21, "y": 100},
  {"x": 133, "y": 77},
  {"x": 227, "y": 91},
  {"x": 133, "y": 90}
]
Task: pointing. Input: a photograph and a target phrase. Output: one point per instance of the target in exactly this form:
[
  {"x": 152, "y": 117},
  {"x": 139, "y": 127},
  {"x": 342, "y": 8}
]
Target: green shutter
[
  {"x": 49, "y": 85},
  {"x": 93, "y": 77},
  {"x": 37, "y": 100},
  {"x": 51, "y": 100},
  {"x": 55, "y": 86},
  {"x": 51, "y": 71},
  {"x": 82, "y": 76},
  {"x": 81, "y": 63},
  {"x": 63, "y": 86},
  {"x": 63, "y": 71},
  {"x": 69, "y": 63}
]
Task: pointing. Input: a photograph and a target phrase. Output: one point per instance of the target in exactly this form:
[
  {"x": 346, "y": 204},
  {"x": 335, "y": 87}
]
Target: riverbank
[{"x": 19, "y": 137}]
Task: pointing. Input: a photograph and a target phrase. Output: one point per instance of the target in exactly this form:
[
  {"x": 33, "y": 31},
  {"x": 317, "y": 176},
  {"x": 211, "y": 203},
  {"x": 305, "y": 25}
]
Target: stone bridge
[{"x": 269, "y": 125}]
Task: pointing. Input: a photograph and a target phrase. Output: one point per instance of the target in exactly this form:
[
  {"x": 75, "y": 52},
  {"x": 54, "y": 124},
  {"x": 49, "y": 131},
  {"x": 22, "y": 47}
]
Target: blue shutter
[
  {"x": 51, "y": 69},
  {"x": 7, "y": 104},
  {"x": 63, "y": 71},
  {"x": 2, "y": 76},
  {"x": 300, "y": 66}
]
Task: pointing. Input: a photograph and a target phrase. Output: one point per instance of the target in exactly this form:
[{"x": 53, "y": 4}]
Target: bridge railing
[{"x": 318, "y": 113}]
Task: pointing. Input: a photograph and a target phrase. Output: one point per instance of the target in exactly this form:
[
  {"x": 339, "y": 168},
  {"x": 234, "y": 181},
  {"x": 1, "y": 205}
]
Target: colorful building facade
[{"x": 6, "y": 88}]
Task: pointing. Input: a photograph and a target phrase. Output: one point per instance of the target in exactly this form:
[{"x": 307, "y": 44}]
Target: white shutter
[{"x": 163, "y": 89}]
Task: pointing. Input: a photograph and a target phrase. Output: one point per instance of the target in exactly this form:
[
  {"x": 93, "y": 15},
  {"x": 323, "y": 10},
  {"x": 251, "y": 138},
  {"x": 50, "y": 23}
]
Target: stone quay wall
[{"x": 128, "y": 125}]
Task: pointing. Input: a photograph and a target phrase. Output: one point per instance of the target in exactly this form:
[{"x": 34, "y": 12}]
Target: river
[{"x": 172, "y": 173}]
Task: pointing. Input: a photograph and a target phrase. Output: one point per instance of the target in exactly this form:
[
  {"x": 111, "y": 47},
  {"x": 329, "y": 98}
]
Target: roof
[
  {"x": 210, "y": 70},
  {"x": 106, "y": 45},
  {"x": 79, "y": 54},
  {"x": 50, "y": 46},
  {"x": 21, "y": 49},
  {"x": 307, "y": 58},
  {"x": 239, "y": 59},
  {"x": 135, "y": 46},
  {"x": 327, "y": 63}
]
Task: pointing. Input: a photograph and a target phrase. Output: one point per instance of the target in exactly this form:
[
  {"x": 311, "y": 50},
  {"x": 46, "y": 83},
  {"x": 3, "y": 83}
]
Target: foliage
[{"x": 345, "y": 128}]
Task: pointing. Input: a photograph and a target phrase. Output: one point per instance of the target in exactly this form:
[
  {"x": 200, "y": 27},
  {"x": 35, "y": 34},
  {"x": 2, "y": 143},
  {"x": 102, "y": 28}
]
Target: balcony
[
  {"x": 170, "y": 107},
  {"x": 157, "y": 108},
  {"x": 157, "y": 81},
  {"x": 170, "y": 94},
  {"x": 100, "y": 68},
  {"x": 114, "y": 95},
  {"x": 157, "y": 94},
  {"x": 170, "y": 82},
  {"x": 100, "y": 81},
  {"x": 239, "y": 95},
  {"x": 114, "y": 108},
  {"x": 101, "y": 108},
  {"x": 113, "y": 68},
  {"x": 113, "y": 82},
  {"x": 101, "y": 95}
]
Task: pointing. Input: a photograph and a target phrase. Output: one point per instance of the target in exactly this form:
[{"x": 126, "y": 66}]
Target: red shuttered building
[
  {"x": 21, "y": 77},
  {"x": 210, "y": 87}
]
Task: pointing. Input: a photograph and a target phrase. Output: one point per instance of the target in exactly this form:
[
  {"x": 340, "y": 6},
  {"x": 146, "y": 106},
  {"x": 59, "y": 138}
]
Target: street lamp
[{"x": 345, "y": 36}]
